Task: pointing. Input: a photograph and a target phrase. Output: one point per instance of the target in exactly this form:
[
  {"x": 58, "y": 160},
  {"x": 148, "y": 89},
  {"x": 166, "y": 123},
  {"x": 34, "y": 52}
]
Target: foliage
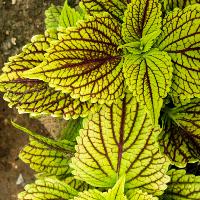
[{"x": 126, "y": 76}]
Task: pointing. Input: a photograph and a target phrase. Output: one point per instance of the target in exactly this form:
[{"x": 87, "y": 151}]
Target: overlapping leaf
[
  {"x": 171, "y": 4},
  {"x": 116, "y": 193},
  {"x": 138, "y": 194},
  {"x": 77, "y": 184},
  {"x": 180, "y": 37},
  {"x": 47, "y": 188},
  {"x": 53, "y": 16},
  {"x": 85, "y": 61},
  {"x": 141, "y": 18},
  {"x": 149, "y": 78},
  {"x": 181, "y": 140},
  {"x": 115, "y": 8},
  {"x": 47, "y": 155},
  {"x": 106, "y": 145},
  {"x": 35, "y": 96},
  {"x": 182, "y": 186}
]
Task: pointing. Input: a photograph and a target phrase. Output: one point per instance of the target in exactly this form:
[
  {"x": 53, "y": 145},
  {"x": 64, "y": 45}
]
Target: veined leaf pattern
[
  {"x": 142, "y": 17},
  {"x": 85, "y": 61},
  {"x": 47, "y": 188},
  {"x": 172, "y": 4},
  {"x": 115, "y": 8},
  {"x": 47, "y": 155},
  {"x": 106, "y": 145},
  {"x": 182, "y": 186},
  {"x": 115, "y": 193},
  {"x": 138, "y": 194},
  {"x": 35, "y": 96},
  {"x": 149, "y": 78},
  {"x": 77, "y": 184},
  {"x": 69, "y": 16},
  {"x": 52, "y": 16},
  {"x": 180, "y": 38},
  {"x": 181, "y": 141}
]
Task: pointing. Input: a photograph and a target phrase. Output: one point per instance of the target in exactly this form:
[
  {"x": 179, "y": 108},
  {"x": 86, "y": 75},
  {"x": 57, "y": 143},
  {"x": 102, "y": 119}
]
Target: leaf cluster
[{"x": 126, "y": 74}]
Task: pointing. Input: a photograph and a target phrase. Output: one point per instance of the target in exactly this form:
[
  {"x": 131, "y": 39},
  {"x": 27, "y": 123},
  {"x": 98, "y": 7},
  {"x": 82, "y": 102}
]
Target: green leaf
[
  {"x": 47, "y": 188},
  {"x": 116, "y": 193},
  {"x": 106, "y": 145},
  {"x": 90, "y": 195},
  {"x": 47, "y": 155},
  {"x": 138, "y": 194},
  {"x": 115, "y": 8},
  {"x": 71, "y": 131},
  {"x": 149, "y": 76},
  {"x": 69, "y": 16},
  {"x": 52, "y": 16},
  {"x": 35, "y": 96},
  {"x": 182, "y": 186},
  {"x": 142, "y": 17},
  {"x": 62, "y": 145},
  {"x": 181, "y": 140},
  {"x": 77, "y": 184},
  {"x": 42, "y": 158},
  {"x": 85, "y": 61},
  {"x": 180, "y": 38},
  {"x": 171, "y": 4}
]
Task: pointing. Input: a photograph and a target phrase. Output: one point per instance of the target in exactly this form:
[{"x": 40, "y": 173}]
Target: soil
[{"x": 19, "y": 21}]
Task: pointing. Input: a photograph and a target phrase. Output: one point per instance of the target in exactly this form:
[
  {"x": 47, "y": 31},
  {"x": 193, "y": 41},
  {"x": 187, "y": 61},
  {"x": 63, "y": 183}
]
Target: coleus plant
[{"x": 131, "y": 69}]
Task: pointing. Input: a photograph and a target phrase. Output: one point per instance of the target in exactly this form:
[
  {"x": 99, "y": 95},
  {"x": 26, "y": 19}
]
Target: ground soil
[{"x": 19, "y": 21}]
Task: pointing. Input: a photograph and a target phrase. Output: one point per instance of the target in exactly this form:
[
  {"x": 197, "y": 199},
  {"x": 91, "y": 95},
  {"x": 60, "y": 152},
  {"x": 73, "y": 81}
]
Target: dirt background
[{"x": 19, "y": 21}]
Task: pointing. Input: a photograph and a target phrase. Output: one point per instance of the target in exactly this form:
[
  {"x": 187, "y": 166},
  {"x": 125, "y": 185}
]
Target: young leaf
[
  {"x": 35, "y": 96},
  {"x": 52, "y": 16},
  {"x": 180, "y": 38},
  {"x": 149, "y": 76},
  {"x": 171, "y": 4},
  {"x": 69, "y": 16},
  {"x": 85, "y": 61},
  {"x": 116, "y": 193},
  {"x": 181, "y": 140},
  {"x": 47, "y": 188},
  {"x": 47, "y": 155},
  {"x": 138, "y": 194},
  {"x": 182, "y": 186},
  {"x": 106, "y": 145},
  {"x": 141, "y": 18},
  {"x": 115, "y": 8}
]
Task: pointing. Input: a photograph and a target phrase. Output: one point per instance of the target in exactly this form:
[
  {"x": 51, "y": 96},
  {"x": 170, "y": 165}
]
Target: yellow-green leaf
[
  {"x": 35, "y": 96},
  {"x": 52, "y": 16},
  {"x": 172, "y": 4},
  {"x": 115, "y": 193},
  {"x": 182, "y": 186},
  {"x": 85, "y": 61},
  {"x": 106, "y": 145},
  {"x": 69, "y": 16},
  {"x": 142, "y": 17},
  {"x": 47, "y": 155},
  {"x": 115, "y": 8},
  {"x": 148, "y": 77},
  {"x": 138, "y": 194},
  {"x": 181, "y": 140},
  {"x": 77, "y": 184},
  {"x": 47, "y": 188},
  {"x": 180, "y": 37}
]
